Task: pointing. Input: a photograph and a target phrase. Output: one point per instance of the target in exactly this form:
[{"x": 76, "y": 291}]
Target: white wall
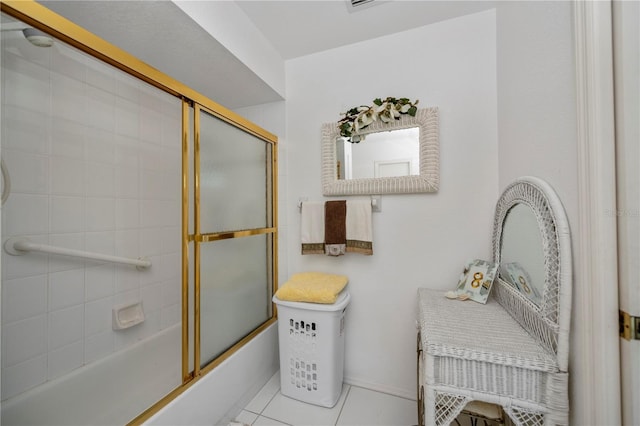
[
  {"x": 229, "y": 25},
  {"x": 536, "y": 95},
  {"x": 537, "y": 128},
  {"x": 420, "y": 240}
]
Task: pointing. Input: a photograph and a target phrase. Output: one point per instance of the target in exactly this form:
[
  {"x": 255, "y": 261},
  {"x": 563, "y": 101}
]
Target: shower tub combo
[{"x": 99, "y": 160}]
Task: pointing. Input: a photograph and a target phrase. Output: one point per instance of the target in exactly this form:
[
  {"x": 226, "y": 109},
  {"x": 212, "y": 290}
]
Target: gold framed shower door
[{"x": 38, "y": 16}]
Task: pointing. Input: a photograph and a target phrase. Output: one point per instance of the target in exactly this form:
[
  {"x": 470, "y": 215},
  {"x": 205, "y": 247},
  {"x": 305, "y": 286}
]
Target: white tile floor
[{"x": 356, "y": 406}]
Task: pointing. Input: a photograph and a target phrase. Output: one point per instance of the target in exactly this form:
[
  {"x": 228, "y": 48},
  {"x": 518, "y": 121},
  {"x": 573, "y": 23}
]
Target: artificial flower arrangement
[{"x": 387, "y": 110}]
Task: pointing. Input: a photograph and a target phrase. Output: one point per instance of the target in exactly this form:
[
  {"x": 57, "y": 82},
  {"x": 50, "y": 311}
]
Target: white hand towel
[
  {"x": 359, "y": 228},
  {"x": 312, "y": 227}
]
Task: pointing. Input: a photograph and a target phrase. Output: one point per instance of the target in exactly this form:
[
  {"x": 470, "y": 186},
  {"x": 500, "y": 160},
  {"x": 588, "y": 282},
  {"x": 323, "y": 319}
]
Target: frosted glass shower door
[
  {"x": 234, "y": 234},
  {"x": 234, "y": 292}
]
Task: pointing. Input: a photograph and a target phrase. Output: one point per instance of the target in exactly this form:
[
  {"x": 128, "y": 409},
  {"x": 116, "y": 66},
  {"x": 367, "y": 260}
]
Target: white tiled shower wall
[{"x": 95, "y": 162}]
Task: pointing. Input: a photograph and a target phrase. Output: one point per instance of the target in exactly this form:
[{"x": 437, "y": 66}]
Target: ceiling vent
[{"x": 356, "y": 5}]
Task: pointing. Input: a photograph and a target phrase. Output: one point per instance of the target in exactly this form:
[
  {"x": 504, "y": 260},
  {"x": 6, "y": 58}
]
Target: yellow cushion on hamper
[{"x": 314, "y": 287}]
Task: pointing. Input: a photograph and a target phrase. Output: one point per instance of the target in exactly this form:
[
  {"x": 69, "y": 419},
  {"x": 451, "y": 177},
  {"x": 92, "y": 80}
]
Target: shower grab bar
[{"x": 18, "y": 246}]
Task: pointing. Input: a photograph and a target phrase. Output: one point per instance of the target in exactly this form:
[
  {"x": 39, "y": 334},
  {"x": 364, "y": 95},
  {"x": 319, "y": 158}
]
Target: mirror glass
[
  {"x": 383, "y": 154},
  {"x": 399, "y": 157},
  {"x": 522, "y": 255}
]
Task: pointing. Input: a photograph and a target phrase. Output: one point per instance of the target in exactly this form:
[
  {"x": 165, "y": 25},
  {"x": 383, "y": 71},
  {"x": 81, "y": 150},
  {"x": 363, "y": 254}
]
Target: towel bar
[{"x": 376, "y": 203}]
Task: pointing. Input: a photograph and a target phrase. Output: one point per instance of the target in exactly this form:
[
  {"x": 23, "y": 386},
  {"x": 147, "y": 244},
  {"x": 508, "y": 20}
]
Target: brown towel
[{"x": 335, "y": 228}]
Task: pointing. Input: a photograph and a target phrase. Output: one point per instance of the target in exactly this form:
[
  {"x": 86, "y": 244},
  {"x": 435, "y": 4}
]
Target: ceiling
[
  {"x": 162, "y": 35},
  {"x": 302, "y": 27}
]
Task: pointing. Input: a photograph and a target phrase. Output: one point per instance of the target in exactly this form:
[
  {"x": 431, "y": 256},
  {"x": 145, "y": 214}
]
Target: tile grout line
[
  {"x": 271, "y": 418},
  {"x": 340, "y": 411},
  {"x": 384, "y": 393},
  {"x": 265, "y": 405},
  {"x": 270, "y": 400},
  {"x": 346, "y": 397}
]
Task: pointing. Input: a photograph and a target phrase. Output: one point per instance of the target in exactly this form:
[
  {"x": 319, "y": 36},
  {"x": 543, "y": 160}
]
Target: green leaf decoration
[{"x": 387, "y": 110}]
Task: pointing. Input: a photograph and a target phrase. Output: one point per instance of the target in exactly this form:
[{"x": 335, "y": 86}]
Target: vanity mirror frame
[
  {"x": 550, "y": 320},
  {"x": 426, "y": 119}
]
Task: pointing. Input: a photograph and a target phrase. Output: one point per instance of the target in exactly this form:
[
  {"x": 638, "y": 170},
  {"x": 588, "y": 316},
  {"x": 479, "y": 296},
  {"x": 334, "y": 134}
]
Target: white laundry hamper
[{"x": 311, "y": 337}]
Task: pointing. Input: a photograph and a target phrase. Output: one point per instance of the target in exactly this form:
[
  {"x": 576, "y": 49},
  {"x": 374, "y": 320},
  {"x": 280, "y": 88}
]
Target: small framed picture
[{"x": 476, "y": 280}]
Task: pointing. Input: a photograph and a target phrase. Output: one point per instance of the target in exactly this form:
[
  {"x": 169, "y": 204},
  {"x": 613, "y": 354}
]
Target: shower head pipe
[
  {"x": 33, "y": 35},
  {"x": 37, "y": 37}
]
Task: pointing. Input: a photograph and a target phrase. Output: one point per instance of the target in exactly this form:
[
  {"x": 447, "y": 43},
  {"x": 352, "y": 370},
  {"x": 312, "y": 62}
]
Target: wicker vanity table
[{"x": 513, "y": 351}]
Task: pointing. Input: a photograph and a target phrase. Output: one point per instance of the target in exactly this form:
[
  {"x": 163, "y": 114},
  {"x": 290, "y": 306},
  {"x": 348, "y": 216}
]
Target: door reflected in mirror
[{"x": 379, "y": 155}]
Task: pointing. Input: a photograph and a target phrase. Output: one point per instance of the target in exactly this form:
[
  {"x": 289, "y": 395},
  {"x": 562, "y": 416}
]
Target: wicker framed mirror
[
  {"x": 543, "y": 251},
  {"x": 427, "y": 180}
]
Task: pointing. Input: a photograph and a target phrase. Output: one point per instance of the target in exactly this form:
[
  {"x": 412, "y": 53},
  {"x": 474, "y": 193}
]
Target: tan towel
[
  {"x": 312, "y": 228},
  {"x": 359, "y": 230},
  {"x": 315, "y": 287},
  {"x": 335, "y": 230}
]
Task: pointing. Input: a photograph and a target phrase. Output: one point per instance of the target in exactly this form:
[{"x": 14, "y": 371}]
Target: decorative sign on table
[{"x": 476, "y": 281}]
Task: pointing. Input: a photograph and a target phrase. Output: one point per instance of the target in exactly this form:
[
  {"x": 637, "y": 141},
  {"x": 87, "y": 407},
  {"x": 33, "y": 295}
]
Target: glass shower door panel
[
  {"x": 234, "y": 176},
  {"x": 235, "y": 291}
]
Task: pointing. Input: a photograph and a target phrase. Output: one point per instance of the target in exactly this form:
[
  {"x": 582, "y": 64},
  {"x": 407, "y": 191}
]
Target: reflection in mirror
[
  {"x": 400, "y": 157},
  {"x": 384, "y": 154},
  {"x": 522, "y": 256}
]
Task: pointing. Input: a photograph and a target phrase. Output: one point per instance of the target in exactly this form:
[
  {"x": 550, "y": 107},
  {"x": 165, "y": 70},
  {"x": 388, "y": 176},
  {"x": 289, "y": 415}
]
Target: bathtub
[
  {"x": 118, "y": 388},
  {"x": 220, "y": 396},
  {"x": 111, "y": 391}
]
